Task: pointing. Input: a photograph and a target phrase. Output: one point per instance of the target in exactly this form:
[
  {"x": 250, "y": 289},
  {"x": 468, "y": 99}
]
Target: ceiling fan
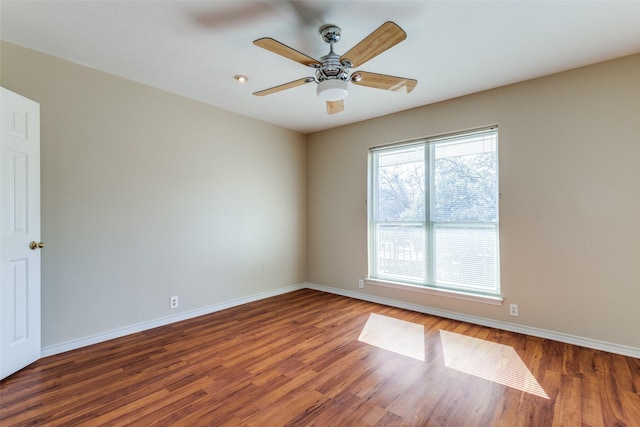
[{"x": 332, "y": 71}]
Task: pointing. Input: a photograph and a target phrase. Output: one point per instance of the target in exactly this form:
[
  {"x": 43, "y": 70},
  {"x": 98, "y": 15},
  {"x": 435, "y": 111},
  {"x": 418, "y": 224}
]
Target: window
[{"x": 433, "y": 213}]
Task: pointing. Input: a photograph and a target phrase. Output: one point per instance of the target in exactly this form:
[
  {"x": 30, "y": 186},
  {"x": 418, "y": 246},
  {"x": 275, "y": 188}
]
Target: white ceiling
[{"x": 194, "y": 48}]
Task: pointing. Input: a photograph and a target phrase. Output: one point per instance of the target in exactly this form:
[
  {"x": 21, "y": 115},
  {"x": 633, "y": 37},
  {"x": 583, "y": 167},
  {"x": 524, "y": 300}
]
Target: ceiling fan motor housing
[{"x": 332, "y": 68}]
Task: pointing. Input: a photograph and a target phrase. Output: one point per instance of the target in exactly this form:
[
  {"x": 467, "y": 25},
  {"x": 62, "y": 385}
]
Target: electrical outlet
[
  {"x": 513, "y": 309},
  {"x": 173, "y": 302},
  {"x": 361, "y": 283}
]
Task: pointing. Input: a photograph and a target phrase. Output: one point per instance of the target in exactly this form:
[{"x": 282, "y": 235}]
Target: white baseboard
[
  {"x": 511, "y": 327},
  {"x": 139, "y": 327}
]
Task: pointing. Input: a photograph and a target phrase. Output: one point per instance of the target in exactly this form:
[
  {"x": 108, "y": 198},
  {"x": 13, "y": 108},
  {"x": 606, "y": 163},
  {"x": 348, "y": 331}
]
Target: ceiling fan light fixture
[{"x": 332, "y": 90}]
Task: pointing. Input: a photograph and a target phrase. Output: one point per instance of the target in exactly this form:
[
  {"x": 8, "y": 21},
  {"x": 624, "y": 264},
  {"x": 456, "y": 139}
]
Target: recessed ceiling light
[{"x": 240, "y": 78}]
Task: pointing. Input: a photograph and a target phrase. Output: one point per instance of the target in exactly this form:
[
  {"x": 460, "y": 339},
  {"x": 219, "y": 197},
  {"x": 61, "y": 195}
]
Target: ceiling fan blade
[
  {"x": 383, "y": 81},
  {"x": 285, "y": 86},
  {"x": 386, "y": 36},
  {"x": 334, "y": 107},
  {"x": 286, "y": 51}
]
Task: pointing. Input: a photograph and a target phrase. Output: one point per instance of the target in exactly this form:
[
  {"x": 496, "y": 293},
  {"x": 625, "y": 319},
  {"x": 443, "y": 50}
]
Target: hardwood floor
[{"x": 295, "y": 359}]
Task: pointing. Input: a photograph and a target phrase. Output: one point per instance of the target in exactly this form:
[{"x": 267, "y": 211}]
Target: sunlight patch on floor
[
  {"x": 395, "y": 335},
  {"x": 489, "y": 360}
]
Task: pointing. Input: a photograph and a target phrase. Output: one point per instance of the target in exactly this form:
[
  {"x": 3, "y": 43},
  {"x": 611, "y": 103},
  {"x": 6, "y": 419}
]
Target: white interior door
[{"x": 19, "y": 232}]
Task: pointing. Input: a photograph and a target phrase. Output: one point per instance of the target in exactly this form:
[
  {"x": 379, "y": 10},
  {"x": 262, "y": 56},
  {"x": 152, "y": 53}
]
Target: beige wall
[
  {"x": 570, "y": 182},
  {"x": 146, "y": 195}
]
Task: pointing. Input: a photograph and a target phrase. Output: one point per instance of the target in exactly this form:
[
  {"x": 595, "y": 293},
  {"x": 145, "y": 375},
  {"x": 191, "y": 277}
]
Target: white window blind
[{"x": 433, "y": 213}]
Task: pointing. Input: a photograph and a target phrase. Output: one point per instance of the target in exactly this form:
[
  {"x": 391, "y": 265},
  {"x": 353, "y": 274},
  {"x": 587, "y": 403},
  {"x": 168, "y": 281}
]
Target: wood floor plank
[
  {"x": 296, "y": 360},
  {"x": 590, "y": 403}
]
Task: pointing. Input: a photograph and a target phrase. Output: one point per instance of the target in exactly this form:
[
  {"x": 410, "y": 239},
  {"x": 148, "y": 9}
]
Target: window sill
[{"x": 485, "y": 299}]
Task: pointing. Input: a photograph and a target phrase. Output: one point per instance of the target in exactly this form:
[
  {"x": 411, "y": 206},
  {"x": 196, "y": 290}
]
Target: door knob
[{"x": 36, "y": 245}]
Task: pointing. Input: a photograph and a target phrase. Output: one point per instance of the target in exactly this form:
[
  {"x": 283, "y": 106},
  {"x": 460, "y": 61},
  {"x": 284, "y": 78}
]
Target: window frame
[{"x": 429, "y": 224}]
